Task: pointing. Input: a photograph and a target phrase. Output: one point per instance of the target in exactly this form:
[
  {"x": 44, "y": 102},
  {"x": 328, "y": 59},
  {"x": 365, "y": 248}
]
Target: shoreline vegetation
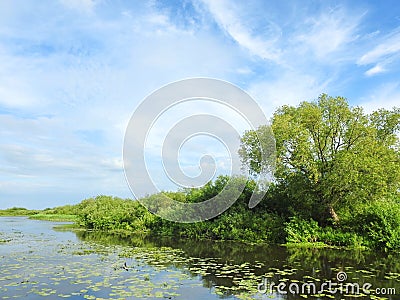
[
  {"x": 37, "y": 214},
  {"x": 337, "y": 184},
  {"x": 238, "y": 223}
]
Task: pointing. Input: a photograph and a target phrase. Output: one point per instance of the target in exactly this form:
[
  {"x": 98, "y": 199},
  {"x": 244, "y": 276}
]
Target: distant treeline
[{"x": 61, "y": 213}]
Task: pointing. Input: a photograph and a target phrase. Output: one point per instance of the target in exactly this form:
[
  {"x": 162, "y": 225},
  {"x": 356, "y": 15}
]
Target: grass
[{"x": 54, "y": 217}]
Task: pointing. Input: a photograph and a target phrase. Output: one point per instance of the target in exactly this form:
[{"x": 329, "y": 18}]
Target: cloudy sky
[{"x": 72, "y": 73}]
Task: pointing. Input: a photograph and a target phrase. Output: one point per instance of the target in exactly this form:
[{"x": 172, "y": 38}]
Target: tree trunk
[{"x": 333, "y": 214}]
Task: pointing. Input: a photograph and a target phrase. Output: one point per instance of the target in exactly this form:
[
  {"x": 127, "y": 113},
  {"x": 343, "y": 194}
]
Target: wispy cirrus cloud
[
  {"x": 284, "y": 32},
  {"x": 377, "y": 69},
  {"x": 330, "y": 31},
  {"x": 303, "y": 48},
  {"x": 72, "y": 73},
  {"x": 384, "y": 54},
  {"x": 262, "y": 44}
]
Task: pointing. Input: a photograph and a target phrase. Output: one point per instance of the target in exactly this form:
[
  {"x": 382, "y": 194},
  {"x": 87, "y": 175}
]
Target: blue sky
[{"x": 72, "y": 73}]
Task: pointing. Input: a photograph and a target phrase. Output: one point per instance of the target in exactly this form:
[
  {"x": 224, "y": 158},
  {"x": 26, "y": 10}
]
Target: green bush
[
  {"x": 302, "y": 231},
  {"x": 308, "y": 231},
  {"x": 335, "y": 237},
  {"x": 237, "y": 223},
  {"x": 112, "y": 213},
  {"x": 379, "y": 223}
]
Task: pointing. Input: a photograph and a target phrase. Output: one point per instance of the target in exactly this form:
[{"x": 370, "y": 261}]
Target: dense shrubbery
[
  {"x": 62, "y": 210},
  {"x": 374, "y": 226},
  {"x": 237, "y": 223},
  {"x": 300, "y": 231},
  {"x": 380, "y": 224},
  {"x": 112, "y": 213}
]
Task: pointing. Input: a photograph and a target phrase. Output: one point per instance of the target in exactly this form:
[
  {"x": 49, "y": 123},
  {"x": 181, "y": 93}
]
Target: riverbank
[
  {"x": 375, "y": 227},
  {"x": 370, "y": 227}
]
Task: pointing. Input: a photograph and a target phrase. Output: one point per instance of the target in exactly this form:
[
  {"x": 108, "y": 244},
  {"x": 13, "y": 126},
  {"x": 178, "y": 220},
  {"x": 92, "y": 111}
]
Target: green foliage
[
  {"x": 237, "y": 223},
  {"x": 379, "y": 223},
  {"x": 58, "y": 214},
  {"x": 330, "y": 155},
  {"x": 62, "y": 210},
  {"x": 336, "y": 237},
  {"x": 300, "y": 231},
  {"x": 17, "y": 211},
  {"x": 112, "y": 213},
  {"x": 245, "y": 226},
  {"x": 258, "y": 149},
  {"x": 54, "y": 217}
]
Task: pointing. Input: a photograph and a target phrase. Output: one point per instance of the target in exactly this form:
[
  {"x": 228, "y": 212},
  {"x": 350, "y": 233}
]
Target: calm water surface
[{"x": 39, "y": 261}]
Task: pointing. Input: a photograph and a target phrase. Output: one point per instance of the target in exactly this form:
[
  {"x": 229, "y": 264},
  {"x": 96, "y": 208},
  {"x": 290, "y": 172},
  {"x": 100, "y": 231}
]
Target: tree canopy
[{"x": 331, "y": 155}]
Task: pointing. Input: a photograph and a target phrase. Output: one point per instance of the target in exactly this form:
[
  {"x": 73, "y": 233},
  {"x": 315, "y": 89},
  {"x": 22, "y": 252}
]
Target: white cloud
[
  {"x": 226, "y": 15},
  {"x": 389, "y": 45},
  {"x": 385, "y": 53},
  {"x": 375, "y": 70},
  {"x": 330, "y": 31}
]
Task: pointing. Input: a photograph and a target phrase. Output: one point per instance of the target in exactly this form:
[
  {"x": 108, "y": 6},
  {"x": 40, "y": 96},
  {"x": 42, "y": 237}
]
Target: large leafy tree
[{"x": 331, "y": 155}]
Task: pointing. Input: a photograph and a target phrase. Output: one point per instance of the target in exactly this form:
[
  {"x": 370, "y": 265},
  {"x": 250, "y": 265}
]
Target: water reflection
[
  {"x": 238, "y": 268},
  {"x": 38, "y": 260}
]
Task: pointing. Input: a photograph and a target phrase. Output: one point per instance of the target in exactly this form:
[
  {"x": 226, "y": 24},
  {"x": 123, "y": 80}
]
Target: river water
[{"x": 39, "y": 260}]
